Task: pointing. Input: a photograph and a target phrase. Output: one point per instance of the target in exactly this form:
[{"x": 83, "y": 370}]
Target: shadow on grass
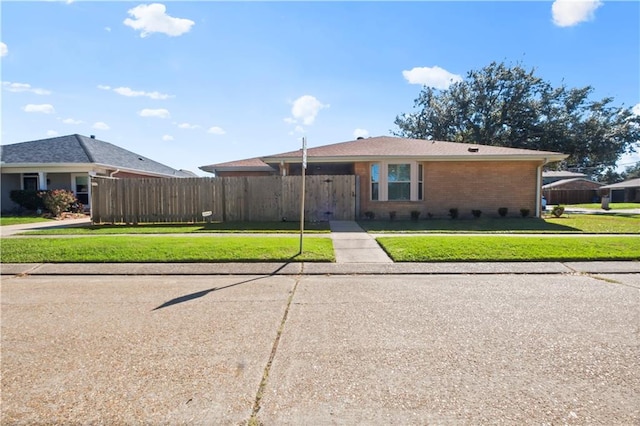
[
  {"x": 199, "y": 294},
  {"x": 505, "y": 225}
]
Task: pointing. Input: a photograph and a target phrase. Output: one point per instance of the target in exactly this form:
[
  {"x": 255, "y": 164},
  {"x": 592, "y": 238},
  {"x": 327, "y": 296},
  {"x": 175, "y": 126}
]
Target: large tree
[{"x": 511, "y": 106}]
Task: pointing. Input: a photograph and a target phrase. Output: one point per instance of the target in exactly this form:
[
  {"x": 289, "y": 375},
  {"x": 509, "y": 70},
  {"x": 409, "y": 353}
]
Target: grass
[
  {"x": 213, "y": 227},
  {"x": 18, "y": 220},
  {"x": 124, "y": 249},
  {"x": 502, "y": 248},
  {"x": 573, "y": 223},
  {"x": 614, "y": 206}
]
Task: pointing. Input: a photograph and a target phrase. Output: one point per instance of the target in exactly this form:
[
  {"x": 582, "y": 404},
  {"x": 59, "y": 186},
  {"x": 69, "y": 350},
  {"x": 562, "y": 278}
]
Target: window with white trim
[
  {"x": 397, "y": 181},
  {"x": 375, "y": 181}
]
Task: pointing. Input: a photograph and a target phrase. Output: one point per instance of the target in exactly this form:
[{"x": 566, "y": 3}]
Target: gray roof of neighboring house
[
  {"x": 562, "y": 174},
  {"x": 631, "y": 183},
  {"x": 82, "y": 150},
  {"x": 569, "y": 182}
]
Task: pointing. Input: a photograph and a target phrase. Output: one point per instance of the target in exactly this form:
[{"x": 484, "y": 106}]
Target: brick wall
[{"x": 469, "y": 185}]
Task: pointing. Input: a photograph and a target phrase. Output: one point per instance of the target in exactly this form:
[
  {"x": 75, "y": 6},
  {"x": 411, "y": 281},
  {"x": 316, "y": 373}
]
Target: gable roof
[
  {"x": 78, "y": 149},
  {"x": 631, "y": 183},
  {"x": 386, "y": 147}
]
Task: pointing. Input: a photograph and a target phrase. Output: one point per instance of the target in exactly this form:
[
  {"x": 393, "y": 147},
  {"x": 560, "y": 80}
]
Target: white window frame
[
  {"x": 74, "y": 187},
  {"x": 383, "y": 187}
]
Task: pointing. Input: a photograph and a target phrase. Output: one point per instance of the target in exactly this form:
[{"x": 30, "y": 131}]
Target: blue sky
[{"x": 195, "y": 83}]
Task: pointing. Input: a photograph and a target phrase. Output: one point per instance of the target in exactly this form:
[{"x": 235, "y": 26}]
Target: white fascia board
[{"x": 47, "y": 167}]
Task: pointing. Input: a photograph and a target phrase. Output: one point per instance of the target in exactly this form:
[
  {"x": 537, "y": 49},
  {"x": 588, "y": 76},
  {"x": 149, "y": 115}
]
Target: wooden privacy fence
[
  {"x": 570, "y": 196},
  {"x": 269, "y": 198}
]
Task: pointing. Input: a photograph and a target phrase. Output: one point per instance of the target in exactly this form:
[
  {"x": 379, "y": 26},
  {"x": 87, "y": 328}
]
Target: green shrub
[
  {"x": 370, "y": 215},
  {"x": 524, "y": 212},
  {"x": 415, "y": 214},
  {"x": 453, "y": 213},
  {"x": 27, "y": 199},
  {"x": 502, "y": 211},
  {"x": 57, "y": 200},
  {"x": 392, "y": 215},
  {"x": 476, "y": 213}
]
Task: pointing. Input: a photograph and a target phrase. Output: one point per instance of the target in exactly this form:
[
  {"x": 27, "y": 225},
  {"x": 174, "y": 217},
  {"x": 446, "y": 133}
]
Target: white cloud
[
  {"x": 636, "y": 109},
  {"x": 167, "y": 138},
  {"x": 360, "y": 133},
  {"x": 305, "y": 108},
  {"x": 152, "y": 18},
  {"x": 71, "y": 121},
  {"x": 188, "y": 126},
  {"x": 100, "y": 126},
  {"x": 567, "y": 13},
  {"x": 52, "y": 133},
  {"x": 23, "y": 87},
  {"x": 107, "y": 29},
  {"x": 435, "y": 77},
  {"x": 103, "y": 87},
  {"x": 125, "y": 91},
  {"x": 160, "y": 113},
  {"x": 43, "y": 108},
  {"x": 4, "y": 50},
  {"x": 216, "y": 130}
]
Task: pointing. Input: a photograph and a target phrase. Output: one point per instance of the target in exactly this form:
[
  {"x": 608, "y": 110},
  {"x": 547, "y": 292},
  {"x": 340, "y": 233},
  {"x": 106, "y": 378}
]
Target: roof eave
[{"x": 546, "y": 158}]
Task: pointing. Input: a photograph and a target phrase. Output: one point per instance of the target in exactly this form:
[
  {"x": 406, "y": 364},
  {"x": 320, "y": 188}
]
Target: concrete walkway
[{"x": 352, "y": 244}]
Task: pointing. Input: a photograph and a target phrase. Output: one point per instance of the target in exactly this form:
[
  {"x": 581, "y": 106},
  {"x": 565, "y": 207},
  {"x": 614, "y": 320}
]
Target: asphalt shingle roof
[
  {"x": 81, "y": 149},
  {"x": 387, "y": 146}
]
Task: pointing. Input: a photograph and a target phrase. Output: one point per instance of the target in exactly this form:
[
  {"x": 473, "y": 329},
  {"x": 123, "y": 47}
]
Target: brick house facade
[{"x": 405, "y": 175}]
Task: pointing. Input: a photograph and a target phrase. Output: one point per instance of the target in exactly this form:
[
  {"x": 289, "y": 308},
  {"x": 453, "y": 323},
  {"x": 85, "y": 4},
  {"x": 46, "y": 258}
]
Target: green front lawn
[
  {"x": 572, "y": 223},
  {"x": 214, "y": 227},
  {"x": 613, "y": 206},
  {"x": 18, "y": 220},
  {"x": 133, "y": 249},
  {"x": 509, "y": 248}
]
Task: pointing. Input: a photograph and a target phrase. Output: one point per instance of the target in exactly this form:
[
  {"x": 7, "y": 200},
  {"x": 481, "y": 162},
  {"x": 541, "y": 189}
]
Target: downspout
[
  {"x": 113, "y": 172},
  {"x": 539, "y": 188}
]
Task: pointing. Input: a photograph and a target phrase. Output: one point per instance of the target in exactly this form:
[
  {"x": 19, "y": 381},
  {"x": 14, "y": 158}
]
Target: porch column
[{"x": 42, "y": 181}]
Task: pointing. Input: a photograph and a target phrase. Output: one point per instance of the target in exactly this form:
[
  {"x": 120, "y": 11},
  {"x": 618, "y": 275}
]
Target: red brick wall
[{"x": 468, "y": 185}]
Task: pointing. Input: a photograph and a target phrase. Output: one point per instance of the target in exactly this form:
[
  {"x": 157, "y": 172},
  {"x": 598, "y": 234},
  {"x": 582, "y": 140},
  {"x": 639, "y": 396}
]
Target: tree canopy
[{"x": 510, "y": 106}]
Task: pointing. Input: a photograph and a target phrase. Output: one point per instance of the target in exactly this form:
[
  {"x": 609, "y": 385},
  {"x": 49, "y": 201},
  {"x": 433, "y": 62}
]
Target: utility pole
[{"x": 304, "y": 168}]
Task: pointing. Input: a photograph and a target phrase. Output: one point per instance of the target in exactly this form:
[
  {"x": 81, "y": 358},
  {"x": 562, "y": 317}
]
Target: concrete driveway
[{"x": 334, "y": 349}]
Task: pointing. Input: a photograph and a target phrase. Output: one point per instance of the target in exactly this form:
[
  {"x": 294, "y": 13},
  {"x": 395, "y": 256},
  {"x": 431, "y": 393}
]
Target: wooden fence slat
[{"x": 268, "y": 198}]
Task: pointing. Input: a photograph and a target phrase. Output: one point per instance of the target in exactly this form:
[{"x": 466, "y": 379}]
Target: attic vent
[
  {"x": 93, "y": 136},
  {"x": 360, "y": 137},
  {"x": 473, "y": 149},
  {"x": 140, "y": 158}
]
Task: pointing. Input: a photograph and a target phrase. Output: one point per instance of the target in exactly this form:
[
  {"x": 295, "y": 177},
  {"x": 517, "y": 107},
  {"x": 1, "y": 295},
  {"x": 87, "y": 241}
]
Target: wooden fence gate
[{"x": 269, "y": 198}]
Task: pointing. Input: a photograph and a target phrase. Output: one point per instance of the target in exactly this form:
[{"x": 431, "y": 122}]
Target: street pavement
[
  {"x": 353, "y": 342},
  {"x": 279, "y": 349}
]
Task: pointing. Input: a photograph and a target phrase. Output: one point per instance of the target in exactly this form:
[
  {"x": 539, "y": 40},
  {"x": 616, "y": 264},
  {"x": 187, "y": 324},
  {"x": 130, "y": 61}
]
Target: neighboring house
[
  {"x": 405, "y": 175},
  {"x": 67, "y": 162},
  {"x": 624, "y": 192},
  {"x": 550, "y": 176},
  {"x": 572, "y": 191}
]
